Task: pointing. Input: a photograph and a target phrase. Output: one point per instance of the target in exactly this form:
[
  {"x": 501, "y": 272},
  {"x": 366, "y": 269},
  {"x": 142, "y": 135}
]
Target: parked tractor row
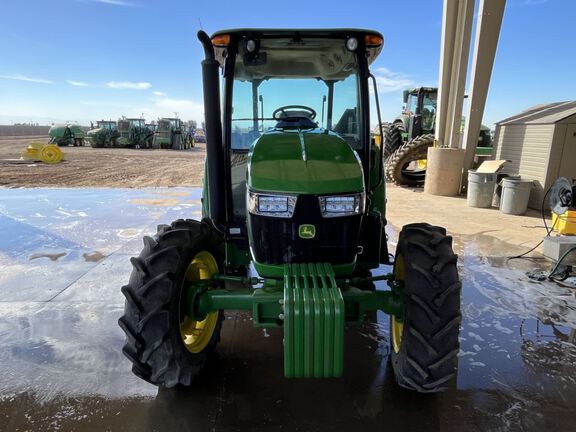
[{"x": 167, "y": 133}]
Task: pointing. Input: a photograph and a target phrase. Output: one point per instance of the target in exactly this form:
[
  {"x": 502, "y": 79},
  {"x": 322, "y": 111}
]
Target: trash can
[
  {"x": 498, "y": 189},
  {"x": 515, "y": 195},
  {"x": 480, "y": 189}
]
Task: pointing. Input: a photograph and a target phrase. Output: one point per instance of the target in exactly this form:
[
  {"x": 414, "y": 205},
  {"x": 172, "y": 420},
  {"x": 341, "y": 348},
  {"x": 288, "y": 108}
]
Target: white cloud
[
  {"x": 77, "y": 83},
  {"x": 19, "y": 77},
  {"x": 389, "y": 81},
  {"x": 159, "y": 93},
  {"x": 129, "y": 85}
]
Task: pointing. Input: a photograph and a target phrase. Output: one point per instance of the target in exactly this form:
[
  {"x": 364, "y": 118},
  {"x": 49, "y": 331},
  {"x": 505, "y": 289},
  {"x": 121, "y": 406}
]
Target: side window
[
  {"x": 345, "y": 114},
  {"x": 243, "y": 133}
]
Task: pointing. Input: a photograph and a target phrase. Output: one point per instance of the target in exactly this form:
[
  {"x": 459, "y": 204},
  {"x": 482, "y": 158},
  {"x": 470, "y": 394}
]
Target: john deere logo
[{"x": 307, "y": 231}]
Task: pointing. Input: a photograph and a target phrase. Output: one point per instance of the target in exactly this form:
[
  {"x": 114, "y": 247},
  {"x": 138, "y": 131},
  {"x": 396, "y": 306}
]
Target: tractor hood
[{"x": 298, "y": 161}]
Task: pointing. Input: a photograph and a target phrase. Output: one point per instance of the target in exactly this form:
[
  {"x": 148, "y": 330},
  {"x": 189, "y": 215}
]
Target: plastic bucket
[
  {"x": 480, "y": 189},
  {"x": 515, "y": 195}
]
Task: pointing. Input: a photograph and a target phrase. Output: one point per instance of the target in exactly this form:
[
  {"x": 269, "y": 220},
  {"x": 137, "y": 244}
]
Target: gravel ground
[{"x": 90, "y": 167}]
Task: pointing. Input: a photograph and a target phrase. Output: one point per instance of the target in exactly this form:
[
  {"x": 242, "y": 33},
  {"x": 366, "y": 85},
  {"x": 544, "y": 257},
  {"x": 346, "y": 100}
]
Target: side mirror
[{"x": 405, "y": 94}]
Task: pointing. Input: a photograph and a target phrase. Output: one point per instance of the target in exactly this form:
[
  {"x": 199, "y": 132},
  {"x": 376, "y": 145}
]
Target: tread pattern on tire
[
  {"x": 415, "y": 149},
  {"x": 151, "y": 314},
  {"x": 427, "y": 358},
  {"x": 392, "y": 137}
]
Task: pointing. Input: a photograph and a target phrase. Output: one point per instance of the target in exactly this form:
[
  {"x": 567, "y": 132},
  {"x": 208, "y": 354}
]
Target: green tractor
[
  {"x": 408, "y": 137},
  {"x": 133, "y": 132},
  {"x": 67, "y": 134},
  {"x": 171, "y": 133},
  {"x": 293, "y": 218},
  {"x": 103, "y": 135}
]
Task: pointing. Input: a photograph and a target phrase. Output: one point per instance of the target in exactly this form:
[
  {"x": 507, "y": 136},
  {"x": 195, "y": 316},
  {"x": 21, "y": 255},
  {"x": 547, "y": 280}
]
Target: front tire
[
  {"x": 166, "y": 347},
  {"x": 424, "y": 344}
]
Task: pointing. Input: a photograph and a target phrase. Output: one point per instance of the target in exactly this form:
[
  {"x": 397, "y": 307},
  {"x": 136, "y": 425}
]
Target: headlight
[
  {"x": 342, "y": 205},
  {"x": 352, "y": 44},
  {"x": 271, "y": 205}
]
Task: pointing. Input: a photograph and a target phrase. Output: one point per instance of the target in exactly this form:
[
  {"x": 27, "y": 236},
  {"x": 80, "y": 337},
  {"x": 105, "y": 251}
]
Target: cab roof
[{"x": 296, "y": 57}]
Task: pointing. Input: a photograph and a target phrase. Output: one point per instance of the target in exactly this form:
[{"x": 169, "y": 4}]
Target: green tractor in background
[
  {"x": 133, "y": 132},
  {"x": 171, "y": 133},
  {"x": 408, "y": 137},
  {"x": 103, "y": 135},
  {"x": 293, "y": 223},
  {"x": 67, "y": 134}
]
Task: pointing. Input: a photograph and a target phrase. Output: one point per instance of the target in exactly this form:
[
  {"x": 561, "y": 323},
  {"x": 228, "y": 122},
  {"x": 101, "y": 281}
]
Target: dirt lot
[{"x": 89, "y": 167}]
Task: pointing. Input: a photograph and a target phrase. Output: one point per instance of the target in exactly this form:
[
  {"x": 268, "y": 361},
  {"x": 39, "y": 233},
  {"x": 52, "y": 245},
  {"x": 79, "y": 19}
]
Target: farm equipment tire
[
  {"x": 176, "y": 142},
  {"x": 392, "y": 138},
  {"x": 397, "y": 164},
  {"x": 424, "y": 344},
  {"x": 166, "y": 347}
]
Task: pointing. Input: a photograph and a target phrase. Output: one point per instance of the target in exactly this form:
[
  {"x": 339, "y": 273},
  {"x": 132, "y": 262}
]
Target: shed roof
[{"x": 543, "y": 114}]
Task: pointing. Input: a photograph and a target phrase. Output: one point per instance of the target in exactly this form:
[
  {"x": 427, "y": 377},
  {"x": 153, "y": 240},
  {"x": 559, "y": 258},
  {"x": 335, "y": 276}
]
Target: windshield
[
  {"x": 318, "y": 74},
  {"x": 136, "y": 123}
]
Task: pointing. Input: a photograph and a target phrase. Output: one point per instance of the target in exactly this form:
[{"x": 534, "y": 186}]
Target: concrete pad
[{"x": 511, "y": 234}]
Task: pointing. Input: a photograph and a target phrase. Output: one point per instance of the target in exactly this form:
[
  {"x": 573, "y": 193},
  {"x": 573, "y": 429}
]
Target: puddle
[{"x": 51, "y": 256}]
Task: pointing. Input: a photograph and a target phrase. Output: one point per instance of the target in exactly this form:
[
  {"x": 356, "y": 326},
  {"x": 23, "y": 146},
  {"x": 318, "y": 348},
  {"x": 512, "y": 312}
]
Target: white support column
[
  {"x": 449, "y": 17},
  {"x": 459, "y": 71},
  {"x": 490, "y": 13}
]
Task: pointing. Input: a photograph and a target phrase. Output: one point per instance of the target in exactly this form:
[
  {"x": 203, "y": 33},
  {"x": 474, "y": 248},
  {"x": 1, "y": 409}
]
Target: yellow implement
[{"x": 47, "y": 153}]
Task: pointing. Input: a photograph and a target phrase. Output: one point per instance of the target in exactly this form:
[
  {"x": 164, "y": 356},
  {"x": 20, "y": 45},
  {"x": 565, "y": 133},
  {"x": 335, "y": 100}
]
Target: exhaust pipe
[{"x": 213, "y": 126}]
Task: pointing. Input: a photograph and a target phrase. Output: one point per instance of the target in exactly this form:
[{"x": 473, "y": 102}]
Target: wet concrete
[{"x": 60, "y": 345}]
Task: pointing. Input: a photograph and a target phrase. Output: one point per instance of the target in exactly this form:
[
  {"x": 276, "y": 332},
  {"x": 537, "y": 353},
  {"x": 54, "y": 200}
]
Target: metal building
[{"x": 541, "y": 145}]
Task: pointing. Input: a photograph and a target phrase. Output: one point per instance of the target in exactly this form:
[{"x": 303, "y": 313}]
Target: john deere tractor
[
  {"x": 132, "y": 132},
  {"x": 103, "y": 135},
  {"x": 293, "y": 218},
  {"x": 171, "y": 133},
  {"x": 408, "y": 137},
  {"x": 67, "y": 134}
]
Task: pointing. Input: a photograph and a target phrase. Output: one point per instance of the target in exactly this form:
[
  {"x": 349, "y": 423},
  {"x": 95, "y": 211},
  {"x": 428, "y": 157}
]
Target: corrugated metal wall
[{"x": 528, "y": 147}]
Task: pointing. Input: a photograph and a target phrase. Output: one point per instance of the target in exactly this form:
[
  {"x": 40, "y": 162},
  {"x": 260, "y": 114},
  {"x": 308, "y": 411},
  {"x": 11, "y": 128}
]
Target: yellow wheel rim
[
  {"x": 51, "y": 154},
  {"x": 196, "y": 335},
  {"x": 421, "y": 164},
  {"x": 397, "y": 326}
]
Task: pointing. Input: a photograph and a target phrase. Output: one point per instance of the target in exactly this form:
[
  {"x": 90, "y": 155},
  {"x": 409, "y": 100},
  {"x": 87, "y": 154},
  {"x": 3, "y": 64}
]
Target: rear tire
[
  {"x": 152, "y": 314},
  {"x": 393, "y": 138},
  {"x": 425, "y": 345},
  {"x": 413, "y": 150}
]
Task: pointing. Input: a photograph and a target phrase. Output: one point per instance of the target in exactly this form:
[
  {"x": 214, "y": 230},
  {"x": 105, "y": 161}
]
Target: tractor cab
[
  {"x": 108, "y": 125},
  {"x": 419, "y": 113},
  {"x": 296, "y": 106},
  {"x": 293, "y": 218}
]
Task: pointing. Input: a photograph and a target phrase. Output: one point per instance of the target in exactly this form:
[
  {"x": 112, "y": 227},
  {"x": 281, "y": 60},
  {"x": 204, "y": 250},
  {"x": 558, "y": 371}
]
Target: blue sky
[{"x": 88, "y": 59}]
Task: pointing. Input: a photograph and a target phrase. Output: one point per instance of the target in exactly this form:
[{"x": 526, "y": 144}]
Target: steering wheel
[{"x": 294, "y": 111}]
